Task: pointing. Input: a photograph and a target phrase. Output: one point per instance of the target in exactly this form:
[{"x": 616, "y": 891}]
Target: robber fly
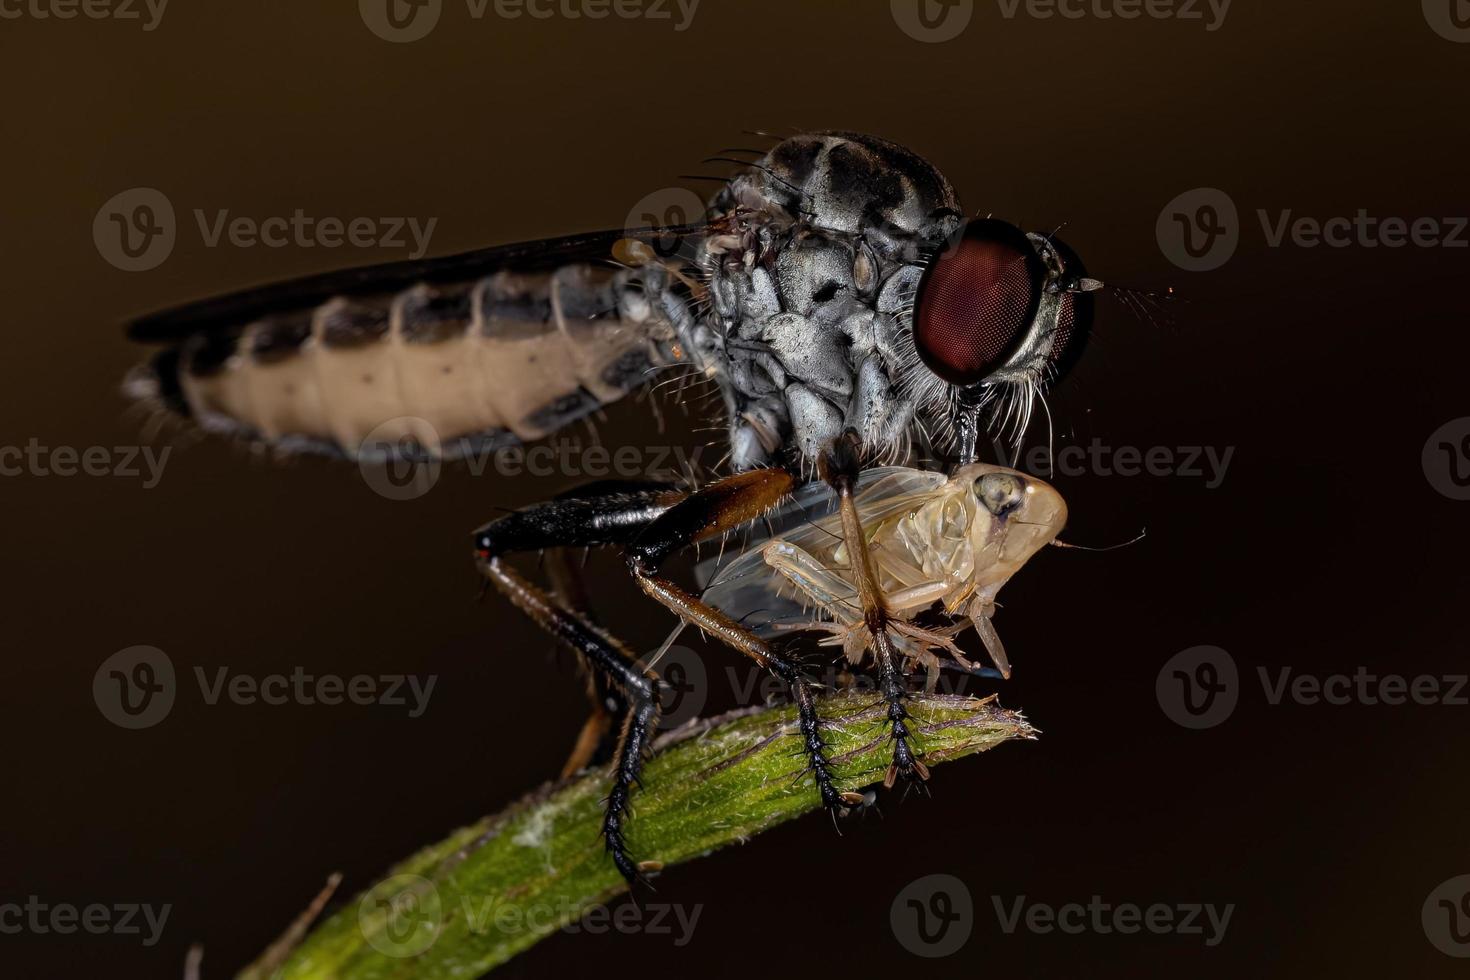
[{"x": 835, "y": 294}]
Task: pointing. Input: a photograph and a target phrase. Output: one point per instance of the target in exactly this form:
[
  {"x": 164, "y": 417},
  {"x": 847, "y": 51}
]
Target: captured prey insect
[
  {"x": 834, "y": 294},
  {"x": 931, "y": 540}
]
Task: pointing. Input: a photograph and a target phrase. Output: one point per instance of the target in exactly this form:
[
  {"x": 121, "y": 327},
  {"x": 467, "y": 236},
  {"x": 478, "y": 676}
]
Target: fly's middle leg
[{"x": 709, "y": 513}]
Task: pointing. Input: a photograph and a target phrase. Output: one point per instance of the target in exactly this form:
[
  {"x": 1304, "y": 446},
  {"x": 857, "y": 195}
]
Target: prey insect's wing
[
  {"x": 747, "y": 589},
  {"x": 488, "y": 347}
]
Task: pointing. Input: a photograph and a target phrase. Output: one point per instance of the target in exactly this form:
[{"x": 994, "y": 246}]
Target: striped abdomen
[{"x": 510, "y": 356}]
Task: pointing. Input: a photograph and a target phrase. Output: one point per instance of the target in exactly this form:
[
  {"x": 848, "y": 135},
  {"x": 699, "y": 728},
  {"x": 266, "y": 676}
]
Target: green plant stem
[{"x": 462, "y": 906}]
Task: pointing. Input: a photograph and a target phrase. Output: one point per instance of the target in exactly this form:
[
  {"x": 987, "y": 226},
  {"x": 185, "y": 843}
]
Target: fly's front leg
[
  {"x": 606, "y": 515},
  {"x": 839, "y": 467},
  {"x": 709, "y": 513}
]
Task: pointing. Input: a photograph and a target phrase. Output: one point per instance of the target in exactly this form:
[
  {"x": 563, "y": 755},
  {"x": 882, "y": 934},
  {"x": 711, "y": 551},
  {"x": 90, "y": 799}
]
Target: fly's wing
[
  {"x": 488, "y": 347},
  {"x": 751, "y": 592}
]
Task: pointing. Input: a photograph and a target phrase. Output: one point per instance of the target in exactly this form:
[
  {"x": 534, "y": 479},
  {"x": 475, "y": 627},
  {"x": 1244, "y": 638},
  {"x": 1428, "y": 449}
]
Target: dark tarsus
[{"x": 650, "y": 522}]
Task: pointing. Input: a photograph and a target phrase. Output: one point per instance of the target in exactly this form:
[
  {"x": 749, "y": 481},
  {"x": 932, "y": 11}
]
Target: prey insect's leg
[
  {"x": 839, "y": 467},
  {"x": 837, "y": 597},
  {"x": 708, "y": 513},
  {"x": 610, "y": 517}
]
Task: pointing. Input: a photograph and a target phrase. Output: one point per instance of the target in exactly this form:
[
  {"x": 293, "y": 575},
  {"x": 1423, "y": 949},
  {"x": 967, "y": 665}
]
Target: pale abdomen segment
[{"x": 503, "y": 358}]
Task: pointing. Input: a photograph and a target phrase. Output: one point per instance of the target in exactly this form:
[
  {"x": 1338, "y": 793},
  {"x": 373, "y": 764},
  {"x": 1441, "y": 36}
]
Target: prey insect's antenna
[
  {"x": 664, "y": 648},
  {"x": 1058, "y": 543}
]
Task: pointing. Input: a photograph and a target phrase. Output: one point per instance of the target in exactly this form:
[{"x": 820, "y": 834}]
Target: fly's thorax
[
  {"x": 806, "y": 296},
  {"x": 1016, "y": 515}
]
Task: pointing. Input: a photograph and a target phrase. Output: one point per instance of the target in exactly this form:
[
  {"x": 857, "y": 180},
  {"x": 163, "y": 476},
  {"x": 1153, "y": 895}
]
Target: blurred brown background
[{"x": 1325, "y": 548}]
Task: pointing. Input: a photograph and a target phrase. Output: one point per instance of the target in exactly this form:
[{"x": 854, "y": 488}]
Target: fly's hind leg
[
  {"x": 709, "y": 513},
  {"x": 597, "y": 739},
  {"x": 839, "y": 467},
  {"x": 606, "y": 514}
]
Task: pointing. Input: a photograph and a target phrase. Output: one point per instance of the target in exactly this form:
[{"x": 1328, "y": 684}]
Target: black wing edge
[{"x": 235, "y": 309}]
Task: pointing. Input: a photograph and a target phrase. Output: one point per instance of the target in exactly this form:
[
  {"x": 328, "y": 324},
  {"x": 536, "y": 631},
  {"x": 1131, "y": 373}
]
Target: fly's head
[
  {"x": 997, "y": 316},
  {"x": 1013, "y": 517},
  {"x": 851, "y": 294}
]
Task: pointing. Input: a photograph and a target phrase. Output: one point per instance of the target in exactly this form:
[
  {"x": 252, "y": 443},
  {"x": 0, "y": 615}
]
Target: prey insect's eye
[
  {"x": 1000, "y": 493},
  {"x": 976, "y": 301}
]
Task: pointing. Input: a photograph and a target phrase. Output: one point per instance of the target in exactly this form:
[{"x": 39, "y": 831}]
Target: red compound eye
[
  {"x": 1074, "y": 317},
  {"x": 976, "y": 301}
]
